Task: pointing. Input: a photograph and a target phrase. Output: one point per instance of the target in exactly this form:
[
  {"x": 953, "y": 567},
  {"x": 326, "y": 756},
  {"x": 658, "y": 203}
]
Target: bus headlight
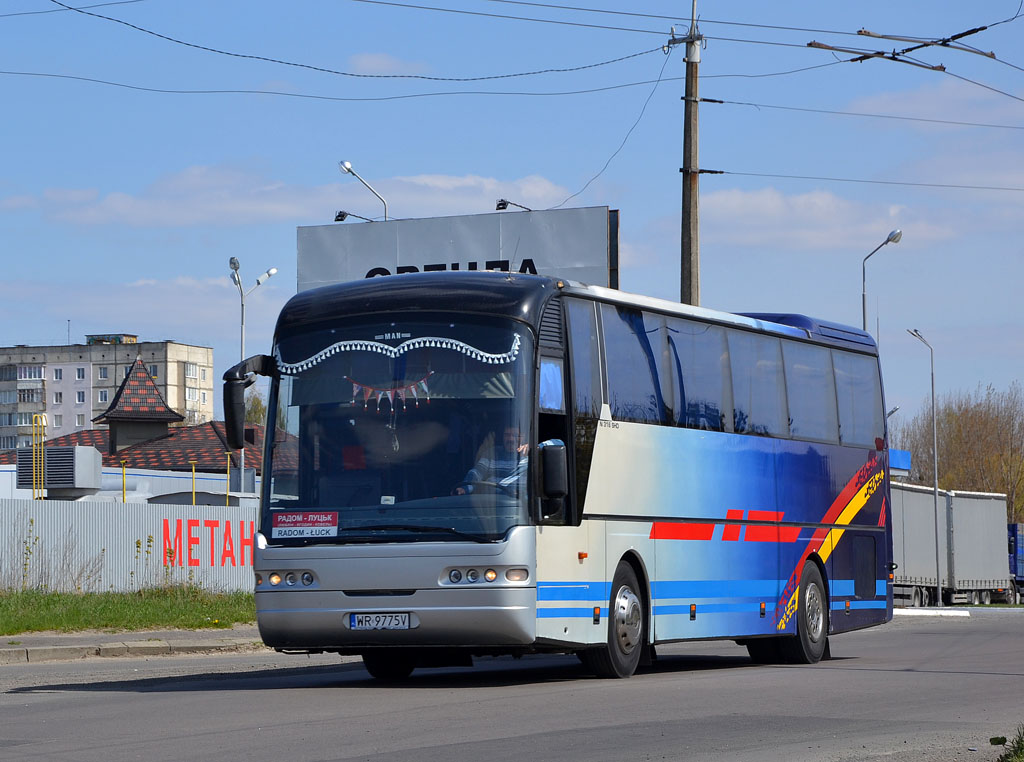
[
  {"x": 517, "y": 575},
  {"x": 290, "y": 578},
  {"x": 275, "y": 579},
  {"x": 472, "y": 575},
  {"x": 307, "y": 578},
  {"x": 490, "y": 575},
  {"x": 454, "y": 576}
]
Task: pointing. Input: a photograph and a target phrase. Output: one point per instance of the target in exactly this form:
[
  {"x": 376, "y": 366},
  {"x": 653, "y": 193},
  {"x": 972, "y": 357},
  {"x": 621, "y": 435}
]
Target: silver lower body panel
[{"x": 320, "y": 619}]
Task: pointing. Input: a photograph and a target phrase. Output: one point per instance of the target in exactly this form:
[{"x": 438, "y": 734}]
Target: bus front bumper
[{"x": 323, "y": 620}]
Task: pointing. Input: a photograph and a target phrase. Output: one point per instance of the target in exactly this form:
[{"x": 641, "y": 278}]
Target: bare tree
[{"x": 981, "y": 443}]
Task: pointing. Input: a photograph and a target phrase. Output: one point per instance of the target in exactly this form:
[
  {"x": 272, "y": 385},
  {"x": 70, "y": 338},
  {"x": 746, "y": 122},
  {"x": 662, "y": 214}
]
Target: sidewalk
[{"x": 56, "y": 646}]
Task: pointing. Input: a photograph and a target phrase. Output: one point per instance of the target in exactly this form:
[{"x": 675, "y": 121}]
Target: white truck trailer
[{"x": 972, "y": 560}]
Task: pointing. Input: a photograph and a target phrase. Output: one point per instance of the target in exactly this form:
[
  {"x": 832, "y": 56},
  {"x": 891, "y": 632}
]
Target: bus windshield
[{"x": 399, "y": 430}]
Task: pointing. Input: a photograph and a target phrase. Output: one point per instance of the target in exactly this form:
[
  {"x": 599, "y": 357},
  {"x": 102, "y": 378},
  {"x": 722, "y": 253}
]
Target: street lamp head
[
  {"x": 341, "y": 216},
  {"x": 233, "y": 263},
  {"x": 501, "y": 205},
  {"x": 894, "y": 236},
  {"x": 345, "y": 167},
  {"x": 269, "y": 273}
]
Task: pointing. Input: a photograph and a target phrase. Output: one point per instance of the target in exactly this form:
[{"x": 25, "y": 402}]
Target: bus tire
[
  {"x": 764, "y": 650},
  {"x": 389, "y": 664},
  {"x": 808, "y": 646},
  {"x": 621, "y": 653}
]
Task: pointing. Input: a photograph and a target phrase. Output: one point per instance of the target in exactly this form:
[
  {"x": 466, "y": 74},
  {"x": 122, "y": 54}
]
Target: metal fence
[{"x": 102, "y": 546}]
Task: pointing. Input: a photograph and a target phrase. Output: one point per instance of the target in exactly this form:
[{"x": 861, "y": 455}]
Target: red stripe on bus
[
  {"x": 664, "y": 530},
  {"x": 731, "y": 532}
]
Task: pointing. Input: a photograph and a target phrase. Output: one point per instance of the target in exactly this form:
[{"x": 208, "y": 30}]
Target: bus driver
[{"x": 505, "y": 470}]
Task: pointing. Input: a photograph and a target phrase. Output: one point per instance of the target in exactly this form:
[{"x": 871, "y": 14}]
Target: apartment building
[{"x": 74, "y": 383}]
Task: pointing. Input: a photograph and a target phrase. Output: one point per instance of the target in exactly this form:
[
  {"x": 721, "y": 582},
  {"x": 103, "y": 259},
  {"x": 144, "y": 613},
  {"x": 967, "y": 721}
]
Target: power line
[
  {"x": 862, "y": 114},
  {"x": 772, "y": 74},
  {"x": 353, "y": 74},
  {"x": 63, "y": 10},
  {"x": 672, "y": 18},
  {"x": 983, "y": 85},
  {"x": 870, "y": 182},
  {"x": 283, "y": 93},
  {"x": 628, "y": 133},
  {"x": 509, "y": 17}
]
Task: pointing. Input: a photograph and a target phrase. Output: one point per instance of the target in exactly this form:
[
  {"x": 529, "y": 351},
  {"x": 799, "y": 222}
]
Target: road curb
[
  {"x": 36, "y": 654},
  {"x": 931, "y": 612}
]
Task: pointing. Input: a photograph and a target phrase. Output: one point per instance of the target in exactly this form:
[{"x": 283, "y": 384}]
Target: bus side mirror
[
  {"x": 236, "y": 380},
  {"x": 234, "y": 412},
  {"x": 554, "y": 477}
]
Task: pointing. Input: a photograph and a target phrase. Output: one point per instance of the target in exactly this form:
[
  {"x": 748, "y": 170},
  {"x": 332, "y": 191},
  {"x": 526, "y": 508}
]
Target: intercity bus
[{"x": 684, "y": 474}]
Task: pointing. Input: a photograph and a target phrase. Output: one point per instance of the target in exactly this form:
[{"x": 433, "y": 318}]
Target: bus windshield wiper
[{"x": 417, "y": 528}]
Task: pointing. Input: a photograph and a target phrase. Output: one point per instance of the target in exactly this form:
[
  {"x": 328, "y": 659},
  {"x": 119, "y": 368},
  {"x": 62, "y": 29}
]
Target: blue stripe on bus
[
  {"x": 840, "y": 605},
  {"x": 844, "y": 588},
  {"x": 724, "y": 588},
  {"x": 569, "y": 613},
  {"x": 709, "y": 608},
  {"x": 573, "y": 591}
]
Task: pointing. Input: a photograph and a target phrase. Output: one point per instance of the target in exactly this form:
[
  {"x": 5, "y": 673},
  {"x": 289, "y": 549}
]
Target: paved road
[{"x": 914, "y": 690}]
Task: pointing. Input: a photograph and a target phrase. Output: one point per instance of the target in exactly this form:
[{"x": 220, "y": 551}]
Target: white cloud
[
  {"x": 225, "y": 196},
  {"x": 382, "y": 63},
  {"x": 948, "y": 100},
  {"x": 818, "y": 220},
  {"x": 18, "y": 202}
]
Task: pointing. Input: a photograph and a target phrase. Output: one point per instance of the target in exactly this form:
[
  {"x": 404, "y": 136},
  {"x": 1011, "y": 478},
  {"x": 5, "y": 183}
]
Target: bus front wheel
[
  {"x": 620, "y": 656},
  {"x": 389, "y": 664},
  {"x": 811, "y": 620}
]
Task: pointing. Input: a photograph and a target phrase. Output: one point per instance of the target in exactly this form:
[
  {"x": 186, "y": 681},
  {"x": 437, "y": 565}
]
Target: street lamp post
[
  {"x": 242, "y": 293},
  {"x": 893, "y": 237},
  {"x": 346, "y": 168},
  {"x": 935, "y": 468}
]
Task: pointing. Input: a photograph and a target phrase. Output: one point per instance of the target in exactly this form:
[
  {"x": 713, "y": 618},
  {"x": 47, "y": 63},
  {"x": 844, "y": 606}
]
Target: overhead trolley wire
[
  {"x": 862, "y": 114},
  {"x": 869, "y": 182}
]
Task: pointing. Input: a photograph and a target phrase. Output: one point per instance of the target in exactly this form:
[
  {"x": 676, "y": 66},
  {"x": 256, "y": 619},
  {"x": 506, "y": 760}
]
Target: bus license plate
[{"x": 379, "y": 621}]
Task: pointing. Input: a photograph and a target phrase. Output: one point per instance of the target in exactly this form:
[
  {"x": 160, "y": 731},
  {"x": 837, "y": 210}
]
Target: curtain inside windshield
[{"x": 400, "y": 431}]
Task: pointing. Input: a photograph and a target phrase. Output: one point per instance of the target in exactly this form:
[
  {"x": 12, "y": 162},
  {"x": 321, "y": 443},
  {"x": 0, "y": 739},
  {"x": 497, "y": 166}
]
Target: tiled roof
[
  {"x": 138, "y": 399},
  {"x": 205, "y": 444}
]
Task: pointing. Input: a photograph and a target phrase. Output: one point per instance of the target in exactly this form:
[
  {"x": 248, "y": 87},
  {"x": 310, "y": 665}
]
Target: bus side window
[
  {"x": 634, "y": 379},
  {"x": 758, "y": 386},
  {"x": 859, "y": 395},
  {"x": 811, "y": 391},
  {"x": 586, "y": 396},
  {"x": 698, "y": 366}
]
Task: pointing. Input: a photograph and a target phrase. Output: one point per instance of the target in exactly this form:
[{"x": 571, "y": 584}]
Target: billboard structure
[{"x": 576, "y": 244}]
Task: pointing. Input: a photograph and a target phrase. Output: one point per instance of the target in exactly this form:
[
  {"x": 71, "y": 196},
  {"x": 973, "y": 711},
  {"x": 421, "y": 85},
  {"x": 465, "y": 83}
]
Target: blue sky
[{"x": 119, "y": 208}]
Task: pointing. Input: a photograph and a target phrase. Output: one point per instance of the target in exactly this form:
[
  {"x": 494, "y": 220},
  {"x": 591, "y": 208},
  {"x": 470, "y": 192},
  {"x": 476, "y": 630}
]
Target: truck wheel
[
  {"x": 915, "y": 599},
  {"x": 975, "y": 598},
  {"x": 811, "y": 620},
  {"x": 986, "y": 598},
  {"x": 388, "y": 664},
  {"x": 620, "y": 656}
]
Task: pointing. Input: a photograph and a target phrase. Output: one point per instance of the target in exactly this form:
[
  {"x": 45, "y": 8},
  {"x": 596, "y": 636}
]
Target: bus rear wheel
[
  {"x": 389, "y": 664},
  {"x": 811, "y": 620},
  {"x": 620, "y": 656}
]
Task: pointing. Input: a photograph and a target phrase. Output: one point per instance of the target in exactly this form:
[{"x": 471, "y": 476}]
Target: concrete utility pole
[{"x": 689, "y": 284}]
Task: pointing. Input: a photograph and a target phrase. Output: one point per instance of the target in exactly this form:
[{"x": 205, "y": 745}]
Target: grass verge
[
  {"x": 1014, "y": 749},
  {"x": 176, "y": 607}
]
